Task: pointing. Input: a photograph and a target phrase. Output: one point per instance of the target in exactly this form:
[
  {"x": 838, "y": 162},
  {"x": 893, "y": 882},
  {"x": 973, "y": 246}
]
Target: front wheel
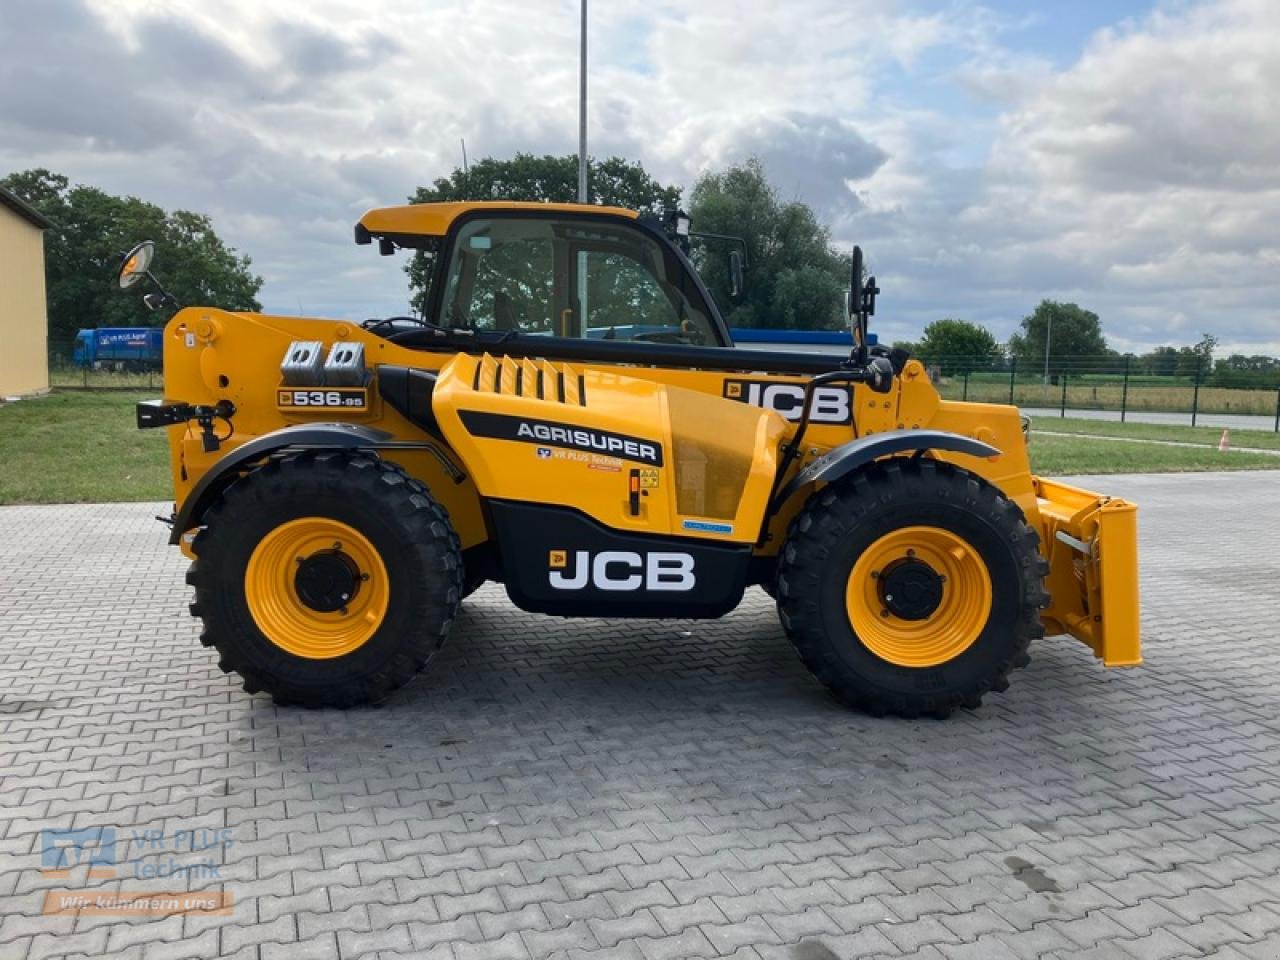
[
  {"x": 326, "y": 579},
  {"x": 911, "y": 588}
]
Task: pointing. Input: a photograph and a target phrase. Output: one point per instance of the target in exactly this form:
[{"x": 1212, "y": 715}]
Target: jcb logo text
[
  {"x": 621, "y": 570},
  {"x": 830, "y": 404}
]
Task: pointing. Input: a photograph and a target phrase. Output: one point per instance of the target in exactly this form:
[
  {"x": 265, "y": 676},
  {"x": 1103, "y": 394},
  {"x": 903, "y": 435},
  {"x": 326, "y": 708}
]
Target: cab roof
[{"x": 434, "y": 219}]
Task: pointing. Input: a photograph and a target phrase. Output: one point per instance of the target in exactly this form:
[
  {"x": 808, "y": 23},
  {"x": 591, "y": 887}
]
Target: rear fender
[
  {"x": 1091, "y": 541},
  {"x": 311, "y": 436}
]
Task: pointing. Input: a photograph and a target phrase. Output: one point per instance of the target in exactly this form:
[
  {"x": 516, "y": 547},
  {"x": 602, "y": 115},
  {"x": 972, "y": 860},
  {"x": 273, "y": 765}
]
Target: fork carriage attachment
[{"x": 1091, "y": 541}]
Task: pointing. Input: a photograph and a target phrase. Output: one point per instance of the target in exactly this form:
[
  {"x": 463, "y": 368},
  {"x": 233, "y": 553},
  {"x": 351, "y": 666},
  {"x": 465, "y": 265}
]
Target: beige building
[{"x": 24, "y": 323}]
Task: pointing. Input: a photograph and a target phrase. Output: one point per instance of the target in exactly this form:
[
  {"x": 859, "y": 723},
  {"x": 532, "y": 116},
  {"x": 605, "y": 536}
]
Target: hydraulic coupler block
[
  {"x": 303, "y": 364},
  {"x": 345, "y": 366}
]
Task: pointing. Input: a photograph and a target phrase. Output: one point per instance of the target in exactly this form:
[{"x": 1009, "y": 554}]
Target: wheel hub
[
  {"x": 910, "y": 589},
  {"x": 326, "y": 582}
]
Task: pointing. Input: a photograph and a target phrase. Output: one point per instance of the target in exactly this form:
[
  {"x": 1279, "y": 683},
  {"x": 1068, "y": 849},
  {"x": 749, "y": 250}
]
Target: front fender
[
  {"x": 847, "y": 457},
  {"x": 311, "y": 436}
]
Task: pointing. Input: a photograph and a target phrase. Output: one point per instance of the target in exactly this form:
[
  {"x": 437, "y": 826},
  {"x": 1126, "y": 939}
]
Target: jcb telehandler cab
[{"x": 570, "y": 418}]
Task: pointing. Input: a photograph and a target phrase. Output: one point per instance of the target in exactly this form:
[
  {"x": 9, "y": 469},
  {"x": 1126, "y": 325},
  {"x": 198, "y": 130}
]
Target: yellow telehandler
[{"x": 569, "y": 416}]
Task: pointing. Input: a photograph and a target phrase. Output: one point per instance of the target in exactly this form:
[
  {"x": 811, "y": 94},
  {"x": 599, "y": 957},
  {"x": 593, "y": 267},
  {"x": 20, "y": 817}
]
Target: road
[{"x": 645, "y": 790}]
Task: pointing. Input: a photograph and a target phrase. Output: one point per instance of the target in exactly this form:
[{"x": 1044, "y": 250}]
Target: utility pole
[
  {"x": 466, "y": 171},
  {"x": 1048, "y": 338},
  {"x": 582, "y": 109}
]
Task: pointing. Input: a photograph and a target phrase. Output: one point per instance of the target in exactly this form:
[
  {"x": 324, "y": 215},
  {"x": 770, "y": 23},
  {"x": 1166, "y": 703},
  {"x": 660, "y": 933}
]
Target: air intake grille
[{"x": 533, "y": 379}]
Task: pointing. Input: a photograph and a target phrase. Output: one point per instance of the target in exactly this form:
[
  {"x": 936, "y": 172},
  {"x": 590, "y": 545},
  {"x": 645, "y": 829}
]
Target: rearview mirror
[
  {"x": 135, "y": 264},
  {"x": 735, "y": 274},
  {"x": 855, "y": 285}
]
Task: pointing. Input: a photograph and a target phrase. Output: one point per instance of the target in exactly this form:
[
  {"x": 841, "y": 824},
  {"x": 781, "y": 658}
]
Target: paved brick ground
[{"x": 647, "y": 790}]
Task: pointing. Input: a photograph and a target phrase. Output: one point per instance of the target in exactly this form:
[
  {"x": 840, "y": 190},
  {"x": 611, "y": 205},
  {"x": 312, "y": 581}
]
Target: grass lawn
[
  {"x": 1209, "y": 436},
  {"x": 78, "y": 447},
  {"x": 1059, "y": 456}
]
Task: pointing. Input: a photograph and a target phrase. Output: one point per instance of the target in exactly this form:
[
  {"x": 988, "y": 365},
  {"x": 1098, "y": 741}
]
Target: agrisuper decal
[
  {"x": 621, "y": 570},
  {"x": 831, "y": 404},
  {"x": 547, "y": 433}
]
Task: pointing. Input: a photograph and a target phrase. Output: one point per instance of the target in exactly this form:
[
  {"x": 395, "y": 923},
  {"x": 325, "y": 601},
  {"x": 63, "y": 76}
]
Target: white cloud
[
  {"x": 1140, "y": 180},
  {"x": 1144, "y": 180}
]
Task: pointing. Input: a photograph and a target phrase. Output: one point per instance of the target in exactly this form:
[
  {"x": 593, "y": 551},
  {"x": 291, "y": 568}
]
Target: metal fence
[
  {"x": 1120, "y": 387},
  {"x": 122, "y": 367},
  {"x": 1123, "y": 387}
]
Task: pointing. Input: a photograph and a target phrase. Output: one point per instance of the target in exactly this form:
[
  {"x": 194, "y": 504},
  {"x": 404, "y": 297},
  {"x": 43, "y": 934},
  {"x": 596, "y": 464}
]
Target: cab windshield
[{"x": 571, "y": 277}]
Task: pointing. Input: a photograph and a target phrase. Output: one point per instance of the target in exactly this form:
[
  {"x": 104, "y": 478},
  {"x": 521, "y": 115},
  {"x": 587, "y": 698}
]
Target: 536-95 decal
[{"x": 344, "y": 398}]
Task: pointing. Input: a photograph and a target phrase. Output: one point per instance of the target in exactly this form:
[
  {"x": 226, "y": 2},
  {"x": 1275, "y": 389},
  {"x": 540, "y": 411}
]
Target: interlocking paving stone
[{"x": 558, "y": 788}]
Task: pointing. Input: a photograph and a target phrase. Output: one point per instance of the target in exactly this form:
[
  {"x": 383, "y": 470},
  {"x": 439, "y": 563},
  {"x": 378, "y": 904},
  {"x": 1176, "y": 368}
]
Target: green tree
[
  {"x": 613, "y": 182},
  {"x": 958, "y": 346},
  {"x": 1073, "y": 334},
  {"x": 91, "y": 229},
  {"x": 1160, "y": 362},
  {"x": 1197, "y": 360},
  {"x": 796, "y": 280},
  {"x": 1239, "y": 370}
]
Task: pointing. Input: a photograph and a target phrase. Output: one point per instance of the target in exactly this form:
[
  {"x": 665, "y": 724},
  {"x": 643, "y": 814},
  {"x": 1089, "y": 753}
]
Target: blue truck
[{"x": 119, "y": 348}]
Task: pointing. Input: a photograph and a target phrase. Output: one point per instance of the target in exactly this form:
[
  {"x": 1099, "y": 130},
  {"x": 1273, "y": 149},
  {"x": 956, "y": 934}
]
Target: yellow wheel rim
[
  {"x": 316, "y": 588},
  {"x": 943, "y": 603}
]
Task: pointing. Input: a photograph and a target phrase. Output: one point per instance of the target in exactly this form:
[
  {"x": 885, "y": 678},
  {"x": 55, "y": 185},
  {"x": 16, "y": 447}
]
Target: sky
[{"x": 1121, "y": 155}]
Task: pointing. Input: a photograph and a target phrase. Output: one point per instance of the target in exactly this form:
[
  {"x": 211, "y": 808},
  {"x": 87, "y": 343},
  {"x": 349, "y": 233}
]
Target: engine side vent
[{"x": 532, "y": 379}]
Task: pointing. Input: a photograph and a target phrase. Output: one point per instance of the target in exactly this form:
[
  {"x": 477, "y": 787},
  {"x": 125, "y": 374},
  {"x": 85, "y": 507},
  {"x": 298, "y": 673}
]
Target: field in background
[
  {"x": 1054, "y": 456},
  {"x": 83, "y": 447},
  {"x": 1207, "y": 437},
  {"x": 66, "y": 374},
  {"x": 80, "y": 448},
  {"x": 1154, "y": 394}
]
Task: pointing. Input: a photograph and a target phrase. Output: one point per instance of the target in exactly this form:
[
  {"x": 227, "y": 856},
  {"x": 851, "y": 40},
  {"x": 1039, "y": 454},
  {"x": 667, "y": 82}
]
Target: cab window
[{"x": 571, "y": 278}]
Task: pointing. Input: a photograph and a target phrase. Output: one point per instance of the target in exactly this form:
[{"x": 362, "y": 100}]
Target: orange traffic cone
[{"x": 1225, "y": 443}]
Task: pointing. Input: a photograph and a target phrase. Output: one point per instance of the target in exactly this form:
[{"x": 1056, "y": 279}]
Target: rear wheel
[
  {"x": 326, "y": 579},
  {"x": 912, "y": 587}
]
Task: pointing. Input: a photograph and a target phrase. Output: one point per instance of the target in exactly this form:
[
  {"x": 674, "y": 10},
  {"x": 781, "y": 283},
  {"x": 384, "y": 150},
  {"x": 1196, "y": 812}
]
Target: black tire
[
  {"x": 841, "y": 521},
  {"x": 399, "y": 518}
]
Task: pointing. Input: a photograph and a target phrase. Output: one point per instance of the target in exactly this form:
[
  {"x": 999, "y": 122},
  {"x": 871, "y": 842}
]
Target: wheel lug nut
[
  {"x": 875, "y": 574},
  {"x": 911, "y": 553},
  {"x": 884, "y": 613},
  {"x": 365, "y": 576}
]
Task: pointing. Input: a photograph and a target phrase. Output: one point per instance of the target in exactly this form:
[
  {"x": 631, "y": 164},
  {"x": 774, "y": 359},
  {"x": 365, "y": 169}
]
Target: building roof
[
  {"x": 23, "y": 209},
  {"x": 434, "y": 219}
]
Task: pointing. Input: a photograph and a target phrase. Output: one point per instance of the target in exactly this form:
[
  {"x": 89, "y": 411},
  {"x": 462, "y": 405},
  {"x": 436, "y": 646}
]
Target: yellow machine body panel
[
  {"x": 435, "y": 219},
  {"x": 634, "y": 454}
]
